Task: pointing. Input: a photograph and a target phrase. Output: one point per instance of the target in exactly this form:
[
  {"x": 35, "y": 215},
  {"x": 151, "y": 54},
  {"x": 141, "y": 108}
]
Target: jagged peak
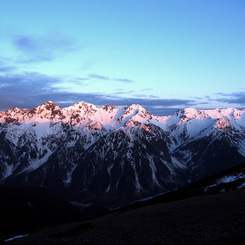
[
  {"x": 108, "y": 108},
  {"x": 82, "y": 105},
  {"x": 134, "y": 110},
  {"x": 83, "y": 112},
  {"x": 222, "y": 124},
  {"x": 16, "y": 112},
  {"x": 178, "y": 112},
  {"x": 49, "y": 105},
  {"x": 49, "y": 102},
  {"x": 190, "y": 111},
  {"x": 47, "y": 110},
  {"x": 215, "y": 113},
  {"x": 95, "y": 126},
  {"x": 16, "y": 109},
  {"x": 229, "y": 111},
  {"x": 136, "y": 107}
]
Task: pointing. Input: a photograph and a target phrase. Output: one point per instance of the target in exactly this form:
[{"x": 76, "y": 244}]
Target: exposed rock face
[{"x": 115, "y": 156}]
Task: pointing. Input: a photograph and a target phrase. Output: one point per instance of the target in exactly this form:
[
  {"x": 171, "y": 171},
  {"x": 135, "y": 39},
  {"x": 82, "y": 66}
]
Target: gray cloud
[
  {"x": 202, "y": 102},
  {"x": 25, "y": 43},
  {"x": 28, "y": 90},
  {"x": 5, "y": 69},
  {"x": 42, "y": 49},
  {"x": 23, "y": 90},
  {"x": 233, "y": 98}
]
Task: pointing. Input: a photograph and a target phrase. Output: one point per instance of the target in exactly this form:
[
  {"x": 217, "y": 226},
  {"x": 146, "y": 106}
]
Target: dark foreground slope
[
  {"x": 28, "y": 209},
  {"x": 208, "y": 219},
  {"x": 189, "y": 215}
]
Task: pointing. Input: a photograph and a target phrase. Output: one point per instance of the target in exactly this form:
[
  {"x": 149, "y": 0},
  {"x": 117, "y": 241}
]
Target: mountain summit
[{"x": 112, "y": 156}]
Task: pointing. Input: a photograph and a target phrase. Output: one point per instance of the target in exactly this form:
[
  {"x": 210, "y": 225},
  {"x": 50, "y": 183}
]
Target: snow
[
  {"x": 9, "y": 170},
  {"x": 241, "y": 186},
  {"x": 190, "y": 112},
  {"x": 210, "y": 186},
  {"x": 109, "y": 172},
  {"x": 68, "y": 179},
  {"x": 231, "y": 178},
  {"x": 241, "y": 120},
  {"x": 138, "y": 187},
  {"x": 36, "y": 163},
  {"x": 228, "y": 179},
  {"x": 177, "y": 163},
  {"x": 15, "y": 237},
  {"x": 195, "y": 126},
  {"x": 241, "y": 149},
  {"x": 153, "y": 170},
  {"x": 80, "y": 204}
]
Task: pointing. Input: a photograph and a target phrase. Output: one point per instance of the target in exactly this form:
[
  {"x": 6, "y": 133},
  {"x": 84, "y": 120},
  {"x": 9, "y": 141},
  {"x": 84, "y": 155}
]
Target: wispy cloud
[
  {"x": 125, "y": 80},
  {"x": 44, "y": 48},
  {"x": 5, "y": 67},
  {"x": 105, "y": 78},
  {"x": 26, "y": 43},
  {"x": 232, "y": 98},
  {"x": 100, "y": 77}
]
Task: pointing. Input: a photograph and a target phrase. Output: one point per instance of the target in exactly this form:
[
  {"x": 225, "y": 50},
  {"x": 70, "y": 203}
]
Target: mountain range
[{"x": 114, "y": 156}]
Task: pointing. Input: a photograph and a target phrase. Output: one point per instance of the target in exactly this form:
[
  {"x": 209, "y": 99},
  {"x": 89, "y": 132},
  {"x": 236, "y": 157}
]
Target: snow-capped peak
[
  {"x": 46, "y": 111},
  {"x": 190, "y": 113},
  {"x": 82, "y": 114},
  {"x": 135, "y": 112},
  {"x": 81, "y": 105},
  {"x": 47, "y": 106}
]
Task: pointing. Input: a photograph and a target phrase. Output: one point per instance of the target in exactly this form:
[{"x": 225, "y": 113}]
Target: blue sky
[{"x": 163, "y": 54}]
